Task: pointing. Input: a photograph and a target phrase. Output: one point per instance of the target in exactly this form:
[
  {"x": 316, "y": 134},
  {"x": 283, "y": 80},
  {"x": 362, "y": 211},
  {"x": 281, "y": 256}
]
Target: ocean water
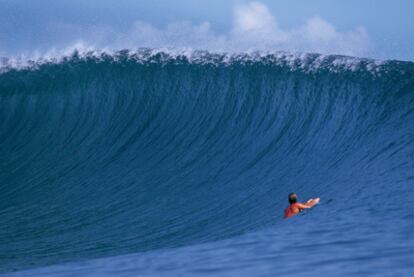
[{"x": 152, "y": 163}]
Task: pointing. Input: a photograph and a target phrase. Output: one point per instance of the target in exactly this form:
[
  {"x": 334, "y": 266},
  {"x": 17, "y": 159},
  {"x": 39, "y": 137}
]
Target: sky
[{"x": 380, "y": 29}]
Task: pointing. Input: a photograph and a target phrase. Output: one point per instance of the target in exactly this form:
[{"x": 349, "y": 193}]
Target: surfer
[{"x": 295, "y": 207}]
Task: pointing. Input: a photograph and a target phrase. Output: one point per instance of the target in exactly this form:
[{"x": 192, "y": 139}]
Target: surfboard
[{"x": 312, "y": 202}]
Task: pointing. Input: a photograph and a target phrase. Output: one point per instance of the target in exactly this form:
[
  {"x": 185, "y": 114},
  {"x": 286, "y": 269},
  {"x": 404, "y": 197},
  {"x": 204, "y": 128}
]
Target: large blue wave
[{"x": 108, "y": 154}]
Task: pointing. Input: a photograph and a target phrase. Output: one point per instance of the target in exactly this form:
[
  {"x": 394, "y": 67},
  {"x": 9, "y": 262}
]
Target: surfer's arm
[
  {"x": 303, "y": 206},
  {"x": 312, "y": 202}
]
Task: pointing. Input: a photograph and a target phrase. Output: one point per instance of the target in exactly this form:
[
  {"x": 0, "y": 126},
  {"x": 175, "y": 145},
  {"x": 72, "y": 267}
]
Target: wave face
[{"x": 103, "y": 155}]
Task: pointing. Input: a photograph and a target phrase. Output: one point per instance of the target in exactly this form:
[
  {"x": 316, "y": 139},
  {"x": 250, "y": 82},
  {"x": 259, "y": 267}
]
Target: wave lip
[{"x": 306, "y": 61}]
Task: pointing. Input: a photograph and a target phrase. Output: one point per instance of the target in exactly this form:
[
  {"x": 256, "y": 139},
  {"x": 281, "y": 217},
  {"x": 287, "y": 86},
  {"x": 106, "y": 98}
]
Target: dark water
[{"x": 180, "y": 165}]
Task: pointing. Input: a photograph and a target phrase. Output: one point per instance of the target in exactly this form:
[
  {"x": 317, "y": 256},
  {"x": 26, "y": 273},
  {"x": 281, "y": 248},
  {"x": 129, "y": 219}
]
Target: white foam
[{"x": 308, "y": 62}]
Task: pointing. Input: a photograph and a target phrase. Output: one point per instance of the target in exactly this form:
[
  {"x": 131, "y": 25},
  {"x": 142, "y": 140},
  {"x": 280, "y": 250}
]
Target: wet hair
[{"x": 293, "y": 198}]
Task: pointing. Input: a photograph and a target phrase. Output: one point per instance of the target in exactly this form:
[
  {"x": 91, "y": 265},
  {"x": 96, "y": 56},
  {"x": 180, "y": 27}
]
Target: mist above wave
[{"x": 295, "y": 60}]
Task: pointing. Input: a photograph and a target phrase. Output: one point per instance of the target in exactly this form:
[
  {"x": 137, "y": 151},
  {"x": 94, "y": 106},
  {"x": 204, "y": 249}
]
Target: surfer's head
[{"x": 293, "y": 198}]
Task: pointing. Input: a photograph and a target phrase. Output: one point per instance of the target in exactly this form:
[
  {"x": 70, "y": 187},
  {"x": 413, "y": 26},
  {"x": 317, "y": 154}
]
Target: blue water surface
[{"x": 152, "y": 164}]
